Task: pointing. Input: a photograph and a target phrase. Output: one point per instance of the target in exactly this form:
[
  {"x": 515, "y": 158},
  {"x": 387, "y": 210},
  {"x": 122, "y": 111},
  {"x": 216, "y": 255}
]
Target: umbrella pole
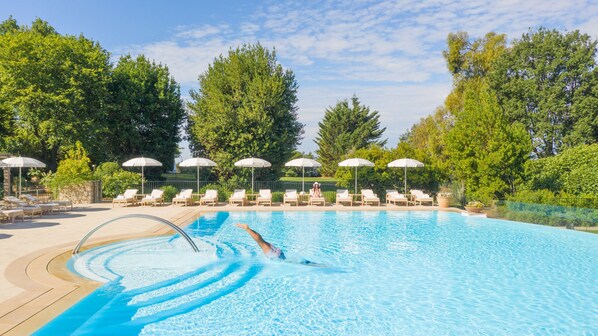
[
  {"x": 20, "y": 182},
  {"x": 142, "y": 182},
  {"x": 252, "y": 169},
  {"x": 405, "y": 178},
  {"x": 197, "y": 179},
  {"x": 356, "y": 179},
  {"x": 303, "y": 184}
]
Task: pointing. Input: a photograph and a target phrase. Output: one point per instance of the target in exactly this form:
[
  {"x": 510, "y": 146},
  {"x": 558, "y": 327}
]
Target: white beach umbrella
[
  {"x": 406, "y": 163},
  {"x": 356, "y": 162},
  {"x": 197, "y": 162},
  {"x": 303, "y": 163},
  {"x": 253, "y": 163},
  {"x": 22, "y": 162},
  {"x": 142, "y": 162}
]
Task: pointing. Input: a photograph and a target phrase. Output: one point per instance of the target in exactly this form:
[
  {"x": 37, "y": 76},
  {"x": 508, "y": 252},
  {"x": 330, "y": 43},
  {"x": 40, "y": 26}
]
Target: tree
[
  {"x": 547, "y": 81},
  {"x": 53, "y": 89},
  {"x": 145, "y": 112},
  {"x": 346, "y": 128},
  {"x": 245, "y": 107},
  {"x": 473, "y": 59},
  {"x": 486, "y": 151}
]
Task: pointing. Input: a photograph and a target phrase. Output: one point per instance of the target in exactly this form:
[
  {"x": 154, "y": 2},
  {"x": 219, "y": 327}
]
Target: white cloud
[{"x": 389, "y": 53}]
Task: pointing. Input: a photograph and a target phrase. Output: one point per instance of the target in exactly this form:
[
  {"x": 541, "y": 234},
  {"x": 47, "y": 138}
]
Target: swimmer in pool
[{"x": 270, "y": 250}]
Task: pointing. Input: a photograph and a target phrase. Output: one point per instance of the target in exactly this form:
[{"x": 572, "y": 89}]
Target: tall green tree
[
  {"x": 245, "y": 107},
  {"x": 53, "y": 90},
  {"x": 145, "y": 111},
  {"x": 346, "y": 126},
  {"x": 547, "y": 81},
  {"x": 486, "y": 151}
]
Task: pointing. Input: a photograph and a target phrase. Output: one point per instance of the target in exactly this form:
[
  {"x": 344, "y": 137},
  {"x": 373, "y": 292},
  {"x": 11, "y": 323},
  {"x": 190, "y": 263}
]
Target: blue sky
[{"x": 388, "y": 53}]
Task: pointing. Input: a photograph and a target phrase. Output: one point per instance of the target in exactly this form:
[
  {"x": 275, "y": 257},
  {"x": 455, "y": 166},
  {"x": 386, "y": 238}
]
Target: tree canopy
[
  {"x": 346, "y": 127},
  {"x": 145, "y": 111},
  {"x": 245, "y": 107},
  {"x": 53, "y": 90},
  {"x": 547, "y": 81}
]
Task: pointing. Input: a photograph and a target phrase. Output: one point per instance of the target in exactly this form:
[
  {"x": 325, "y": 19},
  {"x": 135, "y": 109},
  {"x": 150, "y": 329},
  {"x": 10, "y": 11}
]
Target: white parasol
[
  {"x": 303, "y": 163},
  {"x": 22, "y": 162},
  {"x": 253, "y": 163},
  {"x": 406, "y": 163},
  {"x": 197, "y": 162},
  {"x": 356, "y": 162},
  {"x": 142, "y": 162}
]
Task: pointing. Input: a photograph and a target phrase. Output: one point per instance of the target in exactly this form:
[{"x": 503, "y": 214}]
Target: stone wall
[{"x": 84, "y": 193}]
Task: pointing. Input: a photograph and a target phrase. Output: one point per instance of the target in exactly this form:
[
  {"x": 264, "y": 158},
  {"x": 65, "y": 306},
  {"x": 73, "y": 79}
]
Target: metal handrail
[{"x": 155, "y": 218}]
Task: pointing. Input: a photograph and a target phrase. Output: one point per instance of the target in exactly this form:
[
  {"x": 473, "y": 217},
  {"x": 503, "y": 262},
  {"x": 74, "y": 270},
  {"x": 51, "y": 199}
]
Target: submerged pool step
[{"x": 131, "y": 310}]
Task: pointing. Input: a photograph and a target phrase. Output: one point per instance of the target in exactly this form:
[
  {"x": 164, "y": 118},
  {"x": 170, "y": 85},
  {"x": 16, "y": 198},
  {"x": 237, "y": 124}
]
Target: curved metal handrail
[{"x": 155, "y": 218}]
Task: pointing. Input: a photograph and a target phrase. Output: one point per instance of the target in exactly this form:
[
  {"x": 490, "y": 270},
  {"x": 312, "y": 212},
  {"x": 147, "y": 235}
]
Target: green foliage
[
  {"x": 245, "y": 107},
  {"x": 73, "y": 169},
  {"x": 278, "y": 196},
  {"x": 346, "y": 128},
  {"x": 53, "y": 90},
  {"x": 145, "y": 112},
  {"x": 106, "y": 169},
  {"x": 169, "y": 192},
  {"x": 118, "y": 182},
  {"x": 547, "y": 81},
  {"x": 486, "y": 151},
  {"x": 572, "y": 171},
  {"x": 473, "y": 59}
]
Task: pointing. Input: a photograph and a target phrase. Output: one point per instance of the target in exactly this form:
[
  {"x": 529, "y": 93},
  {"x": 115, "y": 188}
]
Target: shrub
[
  {"x": 169, "y": 192},
  {"x": 277, "y": 196},
  {"x": 106, "y": 169},
  {"x": 73, "y": 169},
  {"x": 118, "y": 182}
]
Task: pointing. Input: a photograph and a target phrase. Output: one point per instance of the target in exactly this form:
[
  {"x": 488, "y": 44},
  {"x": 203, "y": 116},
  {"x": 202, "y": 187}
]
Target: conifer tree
[{"x": 346, "y": 126}]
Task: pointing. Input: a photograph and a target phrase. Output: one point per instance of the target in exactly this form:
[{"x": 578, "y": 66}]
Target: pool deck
[{"x": 35, "y": 285}]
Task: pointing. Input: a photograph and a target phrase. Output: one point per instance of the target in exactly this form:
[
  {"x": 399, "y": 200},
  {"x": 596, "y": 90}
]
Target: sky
[{"x": 387, "y": 53}]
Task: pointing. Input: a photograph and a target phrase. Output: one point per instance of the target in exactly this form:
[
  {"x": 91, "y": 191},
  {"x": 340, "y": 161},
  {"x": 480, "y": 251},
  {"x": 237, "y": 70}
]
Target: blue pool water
[{"x": 387, "y": 273}]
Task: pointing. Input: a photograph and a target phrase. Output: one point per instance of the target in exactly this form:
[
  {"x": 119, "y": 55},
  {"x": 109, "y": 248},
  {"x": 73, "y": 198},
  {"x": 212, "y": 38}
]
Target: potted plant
[
  {"x": 474, "y": 206},
  {"x": 444, "y": 199}
]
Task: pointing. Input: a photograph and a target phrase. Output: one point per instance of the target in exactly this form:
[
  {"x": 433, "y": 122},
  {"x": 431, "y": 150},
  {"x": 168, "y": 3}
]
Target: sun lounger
[
  {"x": 369, "y": 198},
  {"x": 12, "y": 214},
  {"x": 393, "y": 197},
  {"x": 343, "y": 196},
  {"x": 316, "y": 200},
  {"x": 290, "y": 196},
  {"x": 420, "y": 197},
  {"x": 49, "y": 207},
  {"x": 31, "y": 210},
  {"x": 156, "y": 197},
  {"x": 211, "y": 197},
  {"x": 238, "y": 197},
  {"x": 128, "y": 197},
  {"x": 183, "y": 198},
  {"x": 14, "y": 202},
  {"x": 265, "y": 197}
]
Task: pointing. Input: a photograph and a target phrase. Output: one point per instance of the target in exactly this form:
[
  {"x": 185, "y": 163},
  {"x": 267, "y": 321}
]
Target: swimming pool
[{"x": 387, "y": 273}]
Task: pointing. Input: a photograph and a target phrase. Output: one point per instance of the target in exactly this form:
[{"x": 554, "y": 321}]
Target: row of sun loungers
[
  {"x": 291, "y": 197},
  {"x": 30, "y": 206}
]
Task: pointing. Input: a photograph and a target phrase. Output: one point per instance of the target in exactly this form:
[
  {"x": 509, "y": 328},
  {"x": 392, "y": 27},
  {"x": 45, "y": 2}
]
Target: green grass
[
  {"x": 179, "y": 177},
  {"x": 308, "y": 179}
]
